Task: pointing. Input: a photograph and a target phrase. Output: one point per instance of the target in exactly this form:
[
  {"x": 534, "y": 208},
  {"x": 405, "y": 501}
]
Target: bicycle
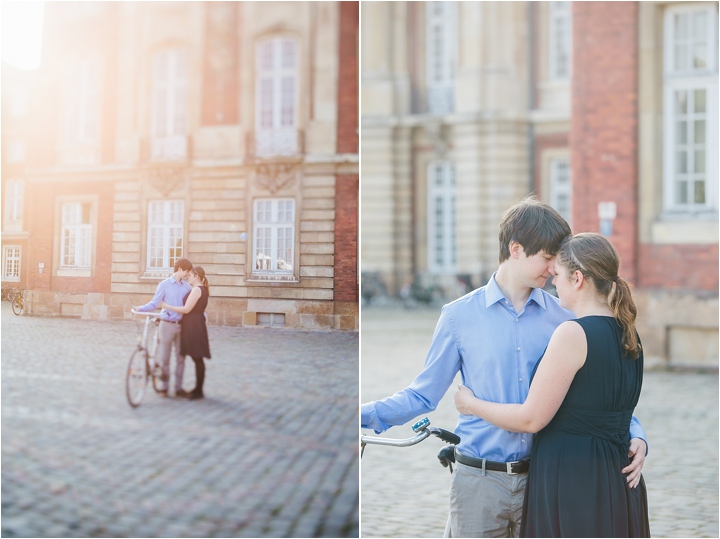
[
  {"x": 142, "y": 363},
  {"x": 423, "y": 430},
  {"x": 15, "y": 297}
]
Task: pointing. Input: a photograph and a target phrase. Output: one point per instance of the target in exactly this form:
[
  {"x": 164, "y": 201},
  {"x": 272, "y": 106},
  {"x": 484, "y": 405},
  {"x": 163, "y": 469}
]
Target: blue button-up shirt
[
  {"x": 495, "y": 349},
  {"x": 172, "y": 292}
]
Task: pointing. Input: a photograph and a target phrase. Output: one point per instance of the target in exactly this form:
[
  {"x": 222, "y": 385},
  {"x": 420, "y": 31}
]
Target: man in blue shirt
[
  {"x": 494, "y": 336},
  {"x": 172, "y": 291}
]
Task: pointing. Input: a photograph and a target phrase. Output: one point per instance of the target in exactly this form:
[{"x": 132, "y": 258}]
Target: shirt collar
[{"x": 493, "y": 294}]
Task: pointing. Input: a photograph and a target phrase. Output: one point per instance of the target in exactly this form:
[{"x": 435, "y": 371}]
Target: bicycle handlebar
[
  {"x": 423, "y": 430},
  {"x": 150, "y": 313}
]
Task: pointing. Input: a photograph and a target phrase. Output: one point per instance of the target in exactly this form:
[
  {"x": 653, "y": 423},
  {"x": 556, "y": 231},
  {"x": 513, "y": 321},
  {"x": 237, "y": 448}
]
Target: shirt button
[
  {"x": 523, "y": 440},
  {"x": 518, "y": 348},
  {"x": 517, "y": 320},
  {"x": 521, "y": 379}
]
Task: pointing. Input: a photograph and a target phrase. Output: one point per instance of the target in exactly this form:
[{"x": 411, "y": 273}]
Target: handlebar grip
[{"x": 447, "y": 436}]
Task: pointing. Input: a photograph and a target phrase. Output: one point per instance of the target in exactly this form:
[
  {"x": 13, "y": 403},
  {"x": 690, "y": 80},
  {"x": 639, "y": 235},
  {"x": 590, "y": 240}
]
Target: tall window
[
  {"x": 561, "y": 188},
  {"x": 165, "y": 234},
  {"x": 274, "y": 226},
  {"x": 690, "y": 112},
  {"x": 560, "y": 40},
  {"x": 441, "y": 217},
  {"x": 11, "y": 263},
  {"x": 441, "y": 54},
  {"x": 169, "y": 105},
  {"x": 276, "y": 97},
  {"x": 76, "y": 235},
  {"x": 14, "y": 203},
  {"x": 82, "y": 104}
]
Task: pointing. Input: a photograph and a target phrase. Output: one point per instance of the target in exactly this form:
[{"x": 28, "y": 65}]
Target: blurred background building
[
  {"x": 607, "y": 111},
  {"x": 223, "y": 132}
]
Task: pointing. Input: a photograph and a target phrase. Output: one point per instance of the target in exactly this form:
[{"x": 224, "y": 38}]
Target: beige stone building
[
  {"x": 607, "y": 111},
  {"x": 223, "y": 132}
]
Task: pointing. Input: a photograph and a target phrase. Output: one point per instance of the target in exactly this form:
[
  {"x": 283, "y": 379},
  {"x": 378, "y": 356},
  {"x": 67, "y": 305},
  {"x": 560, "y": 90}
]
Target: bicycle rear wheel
[
  {"x": 137, "y": 377},
  {"x": 17, "y": 304}
]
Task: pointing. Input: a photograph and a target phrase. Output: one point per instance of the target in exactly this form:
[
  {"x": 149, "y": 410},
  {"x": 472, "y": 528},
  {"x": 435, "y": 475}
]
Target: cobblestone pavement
[
  {"x": 405, "y": 490},
  {"x": 270, "y": 452}
]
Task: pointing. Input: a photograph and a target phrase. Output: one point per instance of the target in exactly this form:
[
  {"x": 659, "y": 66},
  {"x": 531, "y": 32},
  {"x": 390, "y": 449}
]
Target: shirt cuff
[{"x": 369, "y": 418}]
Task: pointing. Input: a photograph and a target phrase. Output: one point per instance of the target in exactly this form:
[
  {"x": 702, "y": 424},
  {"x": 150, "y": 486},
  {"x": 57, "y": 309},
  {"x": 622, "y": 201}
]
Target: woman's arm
[
  {"x": 189, "y": 303},
  {"x": 564, "y": 356}
]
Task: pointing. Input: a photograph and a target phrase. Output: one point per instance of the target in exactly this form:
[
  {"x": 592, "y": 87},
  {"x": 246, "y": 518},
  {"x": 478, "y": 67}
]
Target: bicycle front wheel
[
  {"x": 17, "y": 304},
  {"x": 137, "y": 377}
]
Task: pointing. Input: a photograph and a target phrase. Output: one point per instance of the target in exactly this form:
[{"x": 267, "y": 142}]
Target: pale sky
[{"x": 21, "y": 32}]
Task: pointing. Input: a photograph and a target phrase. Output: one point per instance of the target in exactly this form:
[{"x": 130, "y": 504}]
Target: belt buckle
[{"x": 509, "y": 467}]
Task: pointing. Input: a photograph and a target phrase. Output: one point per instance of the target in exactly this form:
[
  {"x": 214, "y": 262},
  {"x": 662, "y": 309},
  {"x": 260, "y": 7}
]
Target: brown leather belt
[
  {"x": 512, "y": 468},
  {"x": 170, "y": 321}
]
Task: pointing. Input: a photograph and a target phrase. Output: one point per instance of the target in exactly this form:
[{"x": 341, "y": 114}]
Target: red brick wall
[
  {"x": 346, "y": 237},
  {"x": 692, "y": 267},
  {"x": 542, "y": 143},
  {"x": 603, "y": 132},
  {"x": 347, "y": 134},
  {"x": 41, "y": 215}
]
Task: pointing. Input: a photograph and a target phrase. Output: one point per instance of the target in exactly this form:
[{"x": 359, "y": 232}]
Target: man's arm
[
  {"x": 423, "y": 394},
  {"x": 155, "y": 302}
]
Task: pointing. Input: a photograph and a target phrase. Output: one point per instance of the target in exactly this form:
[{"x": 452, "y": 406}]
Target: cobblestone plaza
[{"x": 271, "y": 451}]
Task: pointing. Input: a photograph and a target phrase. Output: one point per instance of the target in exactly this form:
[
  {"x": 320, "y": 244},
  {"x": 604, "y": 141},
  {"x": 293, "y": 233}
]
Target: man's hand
[
  {"x": 637, "y": 451},
  {"x": 463, "y": 398}
]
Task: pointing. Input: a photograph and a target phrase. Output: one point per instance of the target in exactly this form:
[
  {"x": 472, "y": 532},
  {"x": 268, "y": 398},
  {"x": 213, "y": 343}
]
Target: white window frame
[
  {"x": 16, "y": 151},
  {"x": 273, "y": 232},
  {"x": 441, "y": 217},
  {"x": 166, "y": 225},
  {"x": 12, "y": 273},
  {"x": 561, "y": 185},
  {"x": 559, "y": 40},
  {"x": 14, "y": 201},
  {"x": 82, "y": 104},
  {"x": 440, "y": 56},
  {"x": 76, "y": 236},
  {"x": 169, "y": 117},
  {"x": 276, "y": 96},
  {"x": 689, "y": 80}
]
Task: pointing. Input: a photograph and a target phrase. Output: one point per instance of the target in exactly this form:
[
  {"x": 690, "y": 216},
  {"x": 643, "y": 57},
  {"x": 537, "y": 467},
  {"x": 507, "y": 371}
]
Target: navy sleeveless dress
[
  {"x": 575, "y": 487},
  {"x": 194, "y": 336}
]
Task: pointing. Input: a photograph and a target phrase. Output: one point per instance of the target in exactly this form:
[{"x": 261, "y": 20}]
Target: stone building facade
[
  {"x": 222, "y": 132},
  {"x": 606, "y": 111}
]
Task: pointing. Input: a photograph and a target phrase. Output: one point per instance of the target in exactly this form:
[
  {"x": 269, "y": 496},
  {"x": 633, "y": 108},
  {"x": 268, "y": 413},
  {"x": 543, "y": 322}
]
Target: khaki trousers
[{"x": 484, "y": 503}]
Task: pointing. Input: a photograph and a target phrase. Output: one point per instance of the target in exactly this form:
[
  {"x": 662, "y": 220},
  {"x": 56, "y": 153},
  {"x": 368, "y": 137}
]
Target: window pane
[
  {"x": 681, "y": 102},
  {"x": 700, "y": 132},
  {"x": 680, "y": 57},
  {"x": 681, "y": 192},
  {"x": 266, "y": 103},
  {"x": 681, "y": 23},
  {"x": 681, "y": 133},
  {"x": 699, "y": 192},
  {"x": 699, "y": 101},
  {"x": 288, "y": 54},
  {"x": 266, "y": 56},
  {"x": 288, "y": 101},
  {"x": 700, "y": 161},
  {"x": 699, "y": 55},
  {"x": 700, "y": 25},
  {"x": 682, "y": 162}
]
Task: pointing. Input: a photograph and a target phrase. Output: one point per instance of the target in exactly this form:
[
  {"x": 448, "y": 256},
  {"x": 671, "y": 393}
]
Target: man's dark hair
[
  {"x": 183, "y": 264},
  {"x": 534, "y": 225}
]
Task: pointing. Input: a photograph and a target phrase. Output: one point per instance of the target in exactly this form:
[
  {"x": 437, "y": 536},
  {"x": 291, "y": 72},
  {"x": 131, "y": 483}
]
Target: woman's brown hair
[
  {"x": 597, "y": 259},
  {"x": 200, "y": 272}
]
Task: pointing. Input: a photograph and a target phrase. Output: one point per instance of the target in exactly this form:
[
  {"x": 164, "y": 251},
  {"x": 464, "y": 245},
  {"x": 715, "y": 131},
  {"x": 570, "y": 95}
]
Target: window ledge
[
  {"x": 271, "y": 279},
  {"x": 155, "y": 276},
  {"x": 74, "y": 272},
  {"x": 687, "y": 229}
]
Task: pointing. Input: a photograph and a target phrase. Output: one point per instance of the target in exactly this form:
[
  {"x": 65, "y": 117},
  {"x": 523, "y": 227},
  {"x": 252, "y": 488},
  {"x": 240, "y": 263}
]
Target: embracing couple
[
  {"x": 569, "y": 370},
  {"x": 183, "y": 297}
]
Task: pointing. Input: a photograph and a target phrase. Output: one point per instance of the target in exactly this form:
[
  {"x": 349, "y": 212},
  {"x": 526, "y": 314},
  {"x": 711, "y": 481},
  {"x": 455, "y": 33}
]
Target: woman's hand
[{"x": 463, "y": 398}]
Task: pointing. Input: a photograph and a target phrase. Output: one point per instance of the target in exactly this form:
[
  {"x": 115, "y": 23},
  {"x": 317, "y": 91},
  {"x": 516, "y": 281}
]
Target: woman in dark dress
[
  {"x": 194, "y": 336},
  {"x": 581, "y": 400}
]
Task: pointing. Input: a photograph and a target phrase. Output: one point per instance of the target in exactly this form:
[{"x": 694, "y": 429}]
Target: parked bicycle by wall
[{"x": 15, "y": 296}]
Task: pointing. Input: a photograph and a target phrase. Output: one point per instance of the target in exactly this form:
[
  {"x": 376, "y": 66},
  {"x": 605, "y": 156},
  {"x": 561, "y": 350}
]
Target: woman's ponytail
[
  {"x": 621, "y": 302},
  {"x": 200, "y": 272}
]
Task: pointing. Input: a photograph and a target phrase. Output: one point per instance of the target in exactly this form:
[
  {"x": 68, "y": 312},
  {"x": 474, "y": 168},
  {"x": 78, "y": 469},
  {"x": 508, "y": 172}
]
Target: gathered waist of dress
[{"x": 611, "y": 426}]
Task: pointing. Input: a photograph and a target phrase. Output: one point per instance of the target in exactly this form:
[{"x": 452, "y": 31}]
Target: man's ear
[{"x": 515, "y": 249}]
